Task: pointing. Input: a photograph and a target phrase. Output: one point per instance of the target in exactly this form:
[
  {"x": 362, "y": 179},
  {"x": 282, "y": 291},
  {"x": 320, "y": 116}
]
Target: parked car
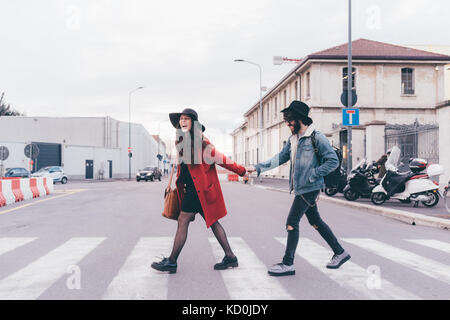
[
  {"x": 149, "y": 173},
  {"x": 17, "y": 173},
  {"x": 54, "y": 172}
]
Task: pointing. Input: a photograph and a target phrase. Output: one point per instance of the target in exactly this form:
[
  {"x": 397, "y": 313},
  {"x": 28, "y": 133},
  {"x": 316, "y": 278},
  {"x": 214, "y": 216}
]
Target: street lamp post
[
  {"x": 129, "y": 130},
  {"x": 260, "y": 118},
  {"x": 159, "y": 140}
]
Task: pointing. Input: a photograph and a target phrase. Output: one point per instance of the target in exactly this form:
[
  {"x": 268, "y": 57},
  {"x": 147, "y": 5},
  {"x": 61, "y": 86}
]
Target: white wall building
[
  {"x": 83, "y": 146},
  {"x": 397, "y": 87}
]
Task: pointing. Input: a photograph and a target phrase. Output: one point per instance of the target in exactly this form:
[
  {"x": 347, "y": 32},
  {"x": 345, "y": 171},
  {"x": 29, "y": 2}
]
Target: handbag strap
[{"x": 171, "y": 176}]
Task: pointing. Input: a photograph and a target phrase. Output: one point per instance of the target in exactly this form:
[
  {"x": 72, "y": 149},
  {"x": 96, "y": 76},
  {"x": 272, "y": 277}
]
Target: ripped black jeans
[{"x": 306, "y": 203}]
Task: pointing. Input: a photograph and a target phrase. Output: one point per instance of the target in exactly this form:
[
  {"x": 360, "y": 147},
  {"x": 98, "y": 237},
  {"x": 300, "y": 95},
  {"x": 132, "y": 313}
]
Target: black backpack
[{"x": 332, "y": 179}]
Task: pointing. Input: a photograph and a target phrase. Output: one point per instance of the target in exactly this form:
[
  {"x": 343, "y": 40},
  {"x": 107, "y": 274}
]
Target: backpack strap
[{"x": 314, "y": 143}]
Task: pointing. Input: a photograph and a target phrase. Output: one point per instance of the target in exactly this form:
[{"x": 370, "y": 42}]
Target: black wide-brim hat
[
  {"x": 299, "y": 109},
  {"x": 175, "y": 117}
]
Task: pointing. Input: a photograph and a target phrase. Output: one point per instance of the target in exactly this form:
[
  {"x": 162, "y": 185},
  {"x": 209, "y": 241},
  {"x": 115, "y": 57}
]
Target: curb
[{"x": 407, "y": 217}]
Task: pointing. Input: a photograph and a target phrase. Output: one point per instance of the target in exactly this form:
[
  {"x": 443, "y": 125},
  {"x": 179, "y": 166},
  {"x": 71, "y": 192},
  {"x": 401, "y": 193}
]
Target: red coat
[{"x": 207, "y": 183}]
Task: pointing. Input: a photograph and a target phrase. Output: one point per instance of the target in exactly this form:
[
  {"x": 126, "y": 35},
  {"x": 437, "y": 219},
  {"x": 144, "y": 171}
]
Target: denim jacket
[{"x": 308, "y": 171}]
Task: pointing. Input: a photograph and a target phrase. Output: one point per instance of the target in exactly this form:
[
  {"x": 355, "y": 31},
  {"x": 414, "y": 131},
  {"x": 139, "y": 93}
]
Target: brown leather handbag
[{"x": 171, "y": 203}]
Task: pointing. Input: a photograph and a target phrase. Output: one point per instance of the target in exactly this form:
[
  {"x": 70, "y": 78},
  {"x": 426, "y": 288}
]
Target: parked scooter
[
  {"x": 361, "y": 181},
  {"x": 410, "y": 186},
  {"x": 336, "y": 183}
]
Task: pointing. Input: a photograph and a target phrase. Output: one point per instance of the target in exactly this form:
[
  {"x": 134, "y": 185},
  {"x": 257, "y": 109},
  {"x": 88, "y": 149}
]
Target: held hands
[{"x": 250, "y": 169}]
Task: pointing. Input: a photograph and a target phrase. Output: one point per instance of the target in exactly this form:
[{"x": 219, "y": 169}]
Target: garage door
[{"x": 49, "y": 155}]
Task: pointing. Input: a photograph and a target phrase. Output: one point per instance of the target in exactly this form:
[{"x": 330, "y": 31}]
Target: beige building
[{"x": 401, "y": 95}]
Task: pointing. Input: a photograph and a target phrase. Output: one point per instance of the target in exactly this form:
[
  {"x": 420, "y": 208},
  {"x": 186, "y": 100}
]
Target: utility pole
[
  {"x": 129, "y": 131},
  {"x": 349, "y": 87}
]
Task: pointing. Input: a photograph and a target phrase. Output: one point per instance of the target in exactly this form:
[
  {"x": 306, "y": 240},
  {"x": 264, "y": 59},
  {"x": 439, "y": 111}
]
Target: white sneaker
[
  {"x": 280, "y": 269},
  {"x": 338, "y": 260}
]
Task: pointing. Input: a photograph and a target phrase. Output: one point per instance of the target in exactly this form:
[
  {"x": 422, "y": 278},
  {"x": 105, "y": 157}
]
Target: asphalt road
[{"x": 97, "y": 241}]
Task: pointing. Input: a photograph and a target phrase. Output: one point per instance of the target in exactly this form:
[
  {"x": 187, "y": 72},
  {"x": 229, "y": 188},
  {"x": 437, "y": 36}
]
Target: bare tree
[{"x": 5, "y": 109}]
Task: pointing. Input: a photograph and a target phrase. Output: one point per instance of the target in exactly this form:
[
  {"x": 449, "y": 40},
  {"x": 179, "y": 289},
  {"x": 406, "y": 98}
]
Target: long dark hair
[{"x": 196, "y": 136}]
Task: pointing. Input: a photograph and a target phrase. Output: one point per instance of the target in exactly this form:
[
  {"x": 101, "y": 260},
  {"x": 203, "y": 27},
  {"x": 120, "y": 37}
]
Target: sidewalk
[{"x": 436, "y": 216}]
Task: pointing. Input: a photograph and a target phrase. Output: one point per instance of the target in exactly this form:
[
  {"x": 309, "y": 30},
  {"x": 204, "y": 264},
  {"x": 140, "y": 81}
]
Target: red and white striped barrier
[
  {"x": 26, "y": 189},
  {"x": 7, "y": 191},
  {"x": 19, "y": 189}
]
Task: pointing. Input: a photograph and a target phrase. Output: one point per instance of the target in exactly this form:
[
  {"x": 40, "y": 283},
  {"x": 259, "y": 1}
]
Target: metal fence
[{"x": 414, "y": 140}]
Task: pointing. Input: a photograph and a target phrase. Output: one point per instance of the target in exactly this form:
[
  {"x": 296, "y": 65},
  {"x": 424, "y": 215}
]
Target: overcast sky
[{"x": 81, "y": 58}]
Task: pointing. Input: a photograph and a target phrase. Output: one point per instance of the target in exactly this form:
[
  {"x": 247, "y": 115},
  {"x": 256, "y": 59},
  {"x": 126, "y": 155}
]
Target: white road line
[
  {"x": 31, "y": 281},
  {"x": 250, "y": 280},
  {"x": 408, "y": 259},
  {"x": 350, "y": 275},
  {"x": 434, "y": 244},
  {"x": 136, "y": 279},
  {"x": 9, "y": 244}
]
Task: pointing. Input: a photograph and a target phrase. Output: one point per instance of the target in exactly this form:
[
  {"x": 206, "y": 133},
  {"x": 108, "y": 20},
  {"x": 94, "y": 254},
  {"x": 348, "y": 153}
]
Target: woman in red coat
[{"x": 198, "y": 187}]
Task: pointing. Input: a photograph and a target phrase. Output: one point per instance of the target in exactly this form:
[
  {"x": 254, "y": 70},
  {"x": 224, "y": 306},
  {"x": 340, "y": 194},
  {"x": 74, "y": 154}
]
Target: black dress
[{"x": 191, "y": 202}]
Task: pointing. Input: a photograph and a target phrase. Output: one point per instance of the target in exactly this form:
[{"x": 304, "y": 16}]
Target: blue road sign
[{"x": 350, "y": 117}]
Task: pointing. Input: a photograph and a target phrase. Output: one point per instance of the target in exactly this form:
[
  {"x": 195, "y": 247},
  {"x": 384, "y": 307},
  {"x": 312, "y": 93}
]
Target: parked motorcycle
[
  {"x": 336, "y": 183},
  {"x": 361, "y": 181},
  {"x": 411, "y": 186}
]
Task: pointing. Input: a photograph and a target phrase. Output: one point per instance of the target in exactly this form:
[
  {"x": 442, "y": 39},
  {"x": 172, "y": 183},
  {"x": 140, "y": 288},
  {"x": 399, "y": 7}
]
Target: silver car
[{"x": 54, "y": 172}]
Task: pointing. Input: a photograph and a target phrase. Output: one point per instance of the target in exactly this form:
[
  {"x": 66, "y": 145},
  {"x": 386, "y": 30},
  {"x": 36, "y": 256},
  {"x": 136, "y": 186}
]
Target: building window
[
  {"x": 308, "y": 85},
  {"x": 407, "y": 81},
  {"x": 284, "y": 99},
  {"x": 268, "y": 112},
  {"x": 345, "y": 79}
]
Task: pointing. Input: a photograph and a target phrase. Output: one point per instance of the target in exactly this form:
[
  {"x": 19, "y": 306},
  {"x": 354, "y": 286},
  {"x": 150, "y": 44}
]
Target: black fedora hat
[
  {"x": 175, "y": 117},
  {"x": 298, "y": 109}
]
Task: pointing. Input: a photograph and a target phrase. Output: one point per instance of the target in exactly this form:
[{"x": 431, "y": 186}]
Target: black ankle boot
[
  {"x": 226, "y": 263},
  {"x": 165, "y": 265}
]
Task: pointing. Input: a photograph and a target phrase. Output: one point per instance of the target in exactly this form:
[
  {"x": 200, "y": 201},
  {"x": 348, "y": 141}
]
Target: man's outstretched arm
[{"x": 276, "y": 161}]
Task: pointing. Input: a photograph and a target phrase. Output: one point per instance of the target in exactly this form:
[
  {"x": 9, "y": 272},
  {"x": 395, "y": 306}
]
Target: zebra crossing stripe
[
  {"x": 434, "y": 244},
  {"x": 136, "y": 280},
  {"x": 408, "y": 259},
  {"x": 31, "y": 281},
  {"x": 350, "y": 275},
  {"x": 9, "y": 244},
  {"x": 250, "y": 280}
]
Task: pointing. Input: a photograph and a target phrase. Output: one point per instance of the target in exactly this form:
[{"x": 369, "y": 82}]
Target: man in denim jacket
[{"x": 306, "y": 178}]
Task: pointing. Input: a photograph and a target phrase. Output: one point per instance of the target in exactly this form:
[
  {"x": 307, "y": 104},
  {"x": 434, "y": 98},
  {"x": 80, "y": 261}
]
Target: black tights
[{"x": 180, "y": 237}]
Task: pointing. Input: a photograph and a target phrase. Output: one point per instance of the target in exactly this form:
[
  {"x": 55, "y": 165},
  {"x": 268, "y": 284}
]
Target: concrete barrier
[
  {"x": 15, "y": 185},
  {"x": 7, "y": 191},
  {"x": 2, "y": 197},
  {"x": 26, "y": 189},
  {"x": 33, "y": 187},
  {"x": 19, "y": 189},
  {"x": 50, "y": 185},
  {"x": 40, "y": 186}
]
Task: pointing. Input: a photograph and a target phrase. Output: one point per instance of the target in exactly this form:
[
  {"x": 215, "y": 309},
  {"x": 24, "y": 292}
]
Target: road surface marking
[
  {"x": 434, "y": 244},
  {"x": 136, "y": 279},
  {"x": 350, "y": 275},
  {"x": 9, "y": 244},
  {"x": 39, "y": 201},
  {"x": 31, "y": 281},
  {"x": 408, "y": 259},
  {"x": 250, "y": 280}
]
